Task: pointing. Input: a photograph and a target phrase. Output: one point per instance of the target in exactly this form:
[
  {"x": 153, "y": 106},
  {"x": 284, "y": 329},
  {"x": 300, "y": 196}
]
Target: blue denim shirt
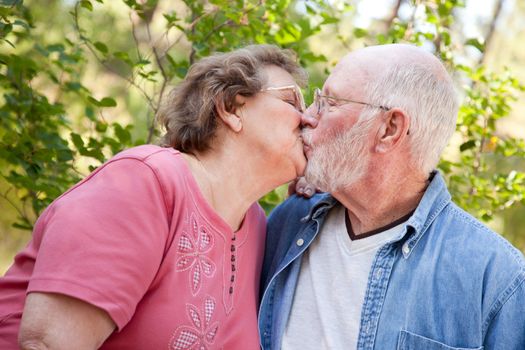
[{"x": 448, "y": 283}]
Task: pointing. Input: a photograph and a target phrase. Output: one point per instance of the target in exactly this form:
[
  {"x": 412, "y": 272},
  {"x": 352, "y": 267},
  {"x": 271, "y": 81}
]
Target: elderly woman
[{"x": 161, "y": 247}]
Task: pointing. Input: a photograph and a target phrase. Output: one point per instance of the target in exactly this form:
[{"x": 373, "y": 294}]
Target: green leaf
[
  {"x": 309, "y": 9},
  {"x": 122, "y": 134},
  {"x": 22, "y": 226},
  {"x": 73, "y": 86},
  {"x": 87, "y": 5},
  {"x": 124, "y": 57},
  {"x": 5, "y": 29},
  {"x": 22, "y": 24},
  {"x": 55, "y": 48},
  {"x": 108, "y": 102},
  {"x": 93, "y": 101},
  {"x": 360, "y": 32},
  {"x": 101, "y": 126},
  {"x": 90, "y": 113},
  {"x": 142, "y": 62},
  {"x": 477, "y": 43},
  {"x": 10, "y": 43},
  {"x": 64, "y": 155},
  {"x": 467, "y": 145},
  {"x": 77, "y": 141},
  {"x": 101, "y": 47},
  {"x": 290, "y": 33},
  {"x": 486, "y": 217},
  {"x": 105, "y": 102}
]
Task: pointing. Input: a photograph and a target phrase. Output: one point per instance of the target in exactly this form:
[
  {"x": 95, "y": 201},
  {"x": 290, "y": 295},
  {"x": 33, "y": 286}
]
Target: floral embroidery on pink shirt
[
  {"x": 202, "y": 334},
  {"x": 192, "y": 248}
]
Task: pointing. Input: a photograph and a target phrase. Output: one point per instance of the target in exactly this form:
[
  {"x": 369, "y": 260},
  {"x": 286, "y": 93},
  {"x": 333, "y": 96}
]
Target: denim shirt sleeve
[{"x": 506, "y": 328}]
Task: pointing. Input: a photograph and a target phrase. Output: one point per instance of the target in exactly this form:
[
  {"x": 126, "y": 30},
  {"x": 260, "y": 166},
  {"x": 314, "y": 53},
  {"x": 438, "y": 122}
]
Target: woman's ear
[
  {"x": 393, "y": 130},
  {"x": 231, "y": 119}
]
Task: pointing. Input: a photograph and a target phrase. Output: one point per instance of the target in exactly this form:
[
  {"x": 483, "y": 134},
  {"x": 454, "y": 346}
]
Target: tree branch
[
  {"x": 87, "y": 43},
  {"x": 491, "y": 31},
  {"x": 393, "y": 14}
]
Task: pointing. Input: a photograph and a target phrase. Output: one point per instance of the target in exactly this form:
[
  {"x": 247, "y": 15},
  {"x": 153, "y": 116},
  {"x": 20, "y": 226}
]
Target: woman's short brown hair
[{"x": 189, "y": 113}]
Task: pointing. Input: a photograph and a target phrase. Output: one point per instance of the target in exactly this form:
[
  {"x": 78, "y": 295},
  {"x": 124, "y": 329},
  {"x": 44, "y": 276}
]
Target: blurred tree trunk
[
  {"x": 393, "y": 15},
  {"x": 489, "y": 36}
]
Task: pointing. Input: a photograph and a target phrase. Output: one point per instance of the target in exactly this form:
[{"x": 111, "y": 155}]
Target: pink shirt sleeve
[{"x": 104, "y": 240}]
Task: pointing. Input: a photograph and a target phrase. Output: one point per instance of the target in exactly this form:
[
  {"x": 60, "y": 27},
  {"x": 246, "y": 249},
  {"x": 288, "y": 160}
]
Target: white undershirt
[{"x": 326, "y": 310}]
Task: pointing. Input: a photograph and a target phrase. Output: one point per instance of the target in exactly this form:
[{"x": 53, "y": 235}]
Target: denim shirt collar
[
  {"x": 321, "y": 207},
  {"x": 435, "y": 198}
]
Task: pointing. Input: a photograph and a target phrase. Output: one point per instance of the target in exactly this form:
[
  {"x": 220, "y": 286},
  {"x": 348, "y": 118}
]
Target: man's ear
[
  {"x": 231, "y": 119},
  {"x": 393, "y": 130}
]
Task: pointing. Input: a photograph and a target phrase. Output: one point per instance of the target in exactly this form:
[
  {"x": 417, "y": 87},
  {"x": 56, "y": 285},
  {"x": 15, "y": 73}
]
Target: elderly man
[{"x": 386, "y": 260}]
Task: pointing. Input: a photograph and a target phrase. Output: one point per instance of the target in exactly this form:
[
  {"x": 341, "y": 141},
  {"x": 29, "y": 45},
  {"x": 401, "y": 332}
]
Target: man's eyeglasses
[
  {"x": 320, "y": 102},
  {"x": 298, "y": 101}
]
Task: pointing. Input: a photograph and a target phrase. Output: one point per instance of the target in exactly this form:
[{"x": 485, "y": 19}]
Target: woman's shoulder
[
  {"x": 166, "y": 162},
  {"x": 149, "y": 153},
  {"x": 168, "y": 167}
]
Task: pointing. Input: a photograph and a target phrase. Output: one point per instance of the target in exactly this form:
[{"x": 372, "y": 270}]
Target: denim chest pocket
[{"x": 411, "y": 341}]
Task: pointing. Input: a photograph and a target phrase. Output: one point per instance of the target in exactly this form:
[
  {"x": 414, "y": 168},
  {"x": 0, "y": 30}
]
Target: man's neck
[{"x": 377, "y": 201}]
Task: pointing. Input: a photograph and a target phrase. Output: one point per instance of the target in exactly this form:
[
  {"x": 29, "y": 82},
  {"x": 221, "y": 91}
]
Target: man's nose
[{"x": 308, "y": 118}]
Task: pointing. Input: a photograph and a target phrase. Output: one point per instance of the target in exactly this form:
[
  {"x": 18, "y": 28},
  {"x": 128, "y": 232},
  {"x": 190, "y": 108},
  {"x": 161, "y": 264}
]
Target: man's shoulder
[
  {"x": 480, "y": 246},
  {"x": 485, "y": 261}
]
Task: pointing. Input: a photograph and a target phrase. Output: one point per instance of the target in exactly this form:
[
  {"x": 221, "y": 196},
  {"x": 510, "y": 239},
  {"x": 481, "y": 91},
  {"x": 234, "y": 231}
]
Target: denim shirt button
[
  {"x": 406, "y": 248},
  {"x": 300, "y": 242}
]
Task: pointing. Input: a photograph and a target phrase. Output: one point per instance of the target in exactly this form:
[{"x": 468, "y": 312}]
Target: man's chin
[{"x": 313, "y": 180}]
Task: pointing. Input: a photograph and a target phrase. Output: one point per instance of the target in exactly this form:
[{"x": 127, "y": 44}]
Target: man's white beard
[{"x": 338, "y": 160}]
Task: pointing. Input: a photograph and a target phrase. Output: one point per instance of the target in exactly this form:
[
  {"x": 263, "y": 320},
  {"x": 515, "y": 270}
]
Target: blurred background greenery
[{"x": 82, "y": 80}]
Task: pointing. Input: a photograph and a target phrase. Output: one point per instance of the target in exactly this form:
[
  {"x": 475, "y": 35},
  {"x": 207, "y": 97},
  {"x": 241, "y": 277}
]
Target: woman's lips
[{"x": 306, "y": 149}]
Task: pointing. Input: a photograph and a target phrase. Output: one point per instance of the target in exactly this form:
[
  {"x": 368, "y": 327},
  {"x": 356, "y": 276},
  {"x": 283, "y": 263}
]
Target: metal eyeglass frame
[
  {"x": 297, "y": 92},
  {"x": 320, "y": 106}
]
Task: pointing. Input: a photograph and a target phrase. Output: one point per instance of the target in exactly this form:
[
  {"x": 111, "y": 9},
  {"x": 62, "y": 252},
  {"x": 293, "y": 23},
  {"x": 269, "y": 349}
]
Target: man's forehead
[{"x": 347, "y": 74}]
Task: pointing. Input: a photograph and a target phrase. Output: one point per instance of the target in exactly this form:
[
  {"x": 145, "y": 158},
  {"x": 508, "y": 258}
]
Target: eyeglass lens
[
  {"x": 300, "y": 101},
  {"x": 317, "y": 100}
]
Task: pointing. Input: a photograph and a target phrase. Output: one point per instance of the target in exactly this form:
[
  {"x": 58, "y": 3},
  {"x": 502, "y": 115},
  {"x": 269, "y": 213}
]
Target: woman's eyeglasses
[{"x": 298, "y": 96}]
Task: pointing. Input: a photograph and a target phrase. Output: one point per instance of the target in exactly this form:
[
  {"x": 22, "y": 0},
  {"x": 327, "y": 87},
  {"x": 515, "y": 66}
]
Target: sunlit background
[{"x": 498, "y": 24}]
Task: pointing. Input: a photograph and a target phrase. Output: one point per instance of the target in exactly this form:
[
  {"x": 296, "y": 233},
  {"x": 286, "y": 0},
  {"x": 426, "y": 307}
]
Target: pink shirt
[{"x": 137, "y": 239}]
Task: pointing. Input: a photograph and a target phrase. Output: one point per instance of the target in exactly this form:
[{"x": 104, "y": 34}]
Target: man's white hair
[{"x": 428, "y": 97}]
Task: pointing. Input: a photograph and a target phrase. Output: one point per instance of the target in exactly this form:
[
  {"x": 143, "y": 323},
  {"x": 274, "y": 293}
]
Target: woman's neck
[{"x": 229, "y": 183}]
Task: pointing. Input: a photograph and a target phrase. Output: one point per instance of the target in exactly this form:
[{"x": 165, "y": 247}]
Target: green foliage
[
  {"x": 55, "y": 127},
  {"x": 38, "y": 147},
  {"x": 482, "y": 191}
]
